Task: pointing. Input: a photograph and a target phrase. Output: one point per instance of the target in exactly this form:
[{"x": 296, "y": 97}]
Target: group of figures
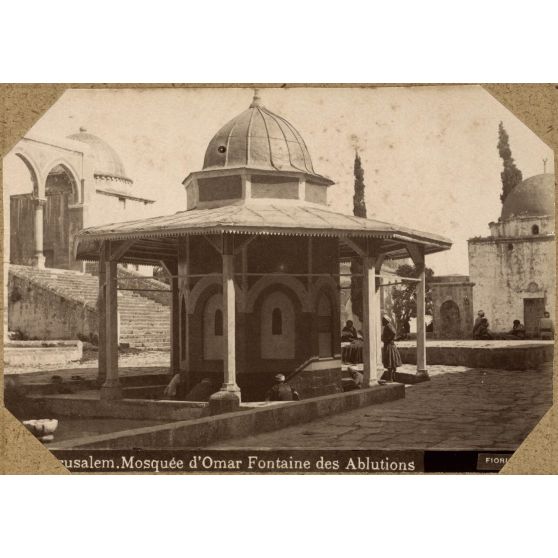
[
  {"x": 481, "y": 329},
  {"x": 352, "y": 350}
]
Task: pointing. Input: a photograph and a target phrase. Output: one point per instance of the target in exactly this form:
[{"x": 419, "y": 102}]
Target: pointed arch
[
  {"x": 73, "y": 177},
  {"x": 33, "y": 170},
  {"x": 206, "y": 282},
  {"x": 323, "y": 283},
  {"x": 212, "y": 324},
  {"x": 295, "y": 285}
]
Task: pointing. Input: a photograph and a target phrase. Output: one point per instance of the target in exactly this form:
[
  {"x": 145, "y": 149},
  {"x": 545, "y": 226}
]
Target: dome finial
[
  {"x": 256, "y": 101},
  {"x": 82, "y": 129}
]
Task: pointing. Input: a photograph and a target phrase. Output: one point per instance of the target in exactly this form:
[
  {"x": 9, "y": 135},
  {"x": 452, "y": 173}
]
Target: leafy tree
[
  {"x": 359, "y": 210},
  {"x": 511, "y": 175},
  {"x": 160, "y": 275},
  {"x": 404, "y": 296}
]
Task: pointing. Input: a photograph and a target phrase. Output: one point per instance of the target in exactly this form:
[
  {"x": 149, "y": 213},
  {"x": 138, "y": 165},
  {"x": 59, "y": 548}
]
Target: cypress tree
[
  {"x": 359, "y": 210},
  {"x": 511, "y": 175},
  {"x": 359, "y": 205}
]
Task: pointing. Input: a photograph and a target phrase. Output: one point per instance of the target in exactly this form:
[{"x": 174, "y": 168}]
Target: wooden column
[
  {"x": 370, "y": 315},
  {"x": 229, "y": 318},
  {"x": 421, "y": 311},
  {"x": 184, "y": 286},
  {"x": 172, "y": 267},
  {"x": 378, "y": 317},
  {"x": 417, "y": 254},
  {"x": 102, "y": 312},
  {"x": 39, "y": 257},
  {"x": 111, "y": 388}
]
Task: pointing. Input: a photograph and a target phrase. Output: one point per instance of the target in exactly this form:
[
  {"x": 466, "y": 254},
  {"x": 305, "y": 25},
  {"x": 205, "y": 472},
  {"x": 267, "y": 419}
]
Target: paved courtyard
[
  {"x": 129, "y": 364},
  {"x": 459, "y": 408}
]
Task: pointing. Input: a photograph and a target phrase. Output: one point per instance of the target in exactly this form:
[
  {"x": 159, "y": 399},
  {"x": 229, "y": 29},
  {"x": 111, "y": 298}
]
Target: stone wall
[
  {"x": 105, "y": 209},
  {"x": 317, "y": 382},
  {"x": 508, "y": 271},
  {"x": 528, "y": 357},
  {"x": 522, "y": 226},
  {"x": 42, "y": 314},
  {"x": 452, "y": 302}
]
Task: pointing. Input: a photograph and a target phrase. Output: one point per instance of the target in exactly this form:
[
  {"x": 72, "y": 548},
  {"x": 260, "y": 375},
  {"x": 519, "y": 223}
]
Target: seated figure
[
  {"x": 546, "y": 327},
  {"x": 482, "y": 331},
  {"x": 348, "y": 333}
]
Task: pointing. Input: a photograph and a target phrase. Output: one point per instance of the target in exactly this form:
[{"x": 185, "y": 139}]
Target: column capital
[
  {"x": 416, "y": 251},
  {"x": 227, "y": 245}
]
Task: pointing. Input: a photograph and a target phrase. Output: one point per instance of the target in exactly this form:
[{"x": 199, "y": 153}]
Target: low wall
[
  {"x": 20, "y": 353},
  {"x": 39, "y": 313},
  {"x": 507, "y": 358},
  {"x": 317, "y": 382},
  {"x": 206, "y": 431},
  {"x": 87, "y": 407},
  {"x": 321, "y": 378}
]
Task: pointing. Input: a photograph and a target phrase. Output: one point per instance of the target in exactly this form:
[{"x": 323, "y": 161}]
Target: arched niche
[
  {"x": 450, "y": 320},
  {"x": 211, "y": 281},
  {"x": 291, "y": 283},
  {"x": 277, "y": 327},
  {"x": 212, "y": 324},
  {"x": 61, "y": 219},
  {"x": 62, "y": 178}
]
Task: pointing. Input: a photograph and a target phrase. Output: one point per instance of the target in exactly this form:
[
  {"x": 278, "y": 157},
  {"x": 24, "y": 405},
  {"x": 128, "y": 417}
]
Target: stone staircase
[{"x": 144, "y": 323}]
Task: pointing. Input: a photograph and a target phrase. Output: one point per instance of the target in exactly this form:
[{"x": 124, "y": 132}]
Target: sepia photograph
[{"x": 326, "y": 279}]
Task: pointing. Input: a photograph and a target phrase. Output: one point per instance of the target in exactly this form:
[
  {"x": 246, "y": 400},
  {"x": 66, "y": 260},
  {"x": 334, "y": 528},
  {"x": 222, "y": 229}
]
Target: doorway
[
  {"x": 60, "y": 194},
  {"x": 450, "y": 320},
  {"x": 533, "y": 311}
]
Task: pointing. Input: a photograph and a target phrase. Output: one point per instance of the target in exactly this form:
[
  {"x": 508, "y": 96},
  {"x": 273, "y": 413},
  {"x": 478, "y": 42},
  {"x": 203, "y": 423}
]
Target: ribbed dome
[
  {"x": 258, "y": 138},
  {"x": 534, "y": 197},
  {"x": 107, "y": 161}
]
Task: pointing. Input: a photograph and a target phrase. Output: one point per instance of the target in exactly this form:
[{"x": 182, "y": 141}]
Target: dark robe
[
  {"x": 348, "y": 333},
  {"x": 391, "y": 359},
  {"x": 282, "y": 392}
]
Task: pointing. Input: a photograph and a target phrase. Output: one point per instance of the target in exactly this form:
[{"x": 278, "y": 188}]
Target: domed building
[
  {"x": 256, "y": 156},
  {"x": 60, "y": 187},
  {"x": 106, "y": 162},
  {"x": 513, "y": 269},
  {"x": 254, "y": 260}
]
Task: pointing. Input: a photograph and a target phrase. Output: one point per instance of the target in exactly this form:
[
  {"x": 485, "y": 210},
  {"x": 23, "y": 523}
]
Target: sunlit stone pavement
[{"x": 459, "y": 408}]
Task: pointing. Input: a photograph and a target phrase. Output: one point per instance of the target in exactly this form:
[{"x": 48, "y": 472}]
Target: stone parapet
[
  {"x": 206, "y": 431},
  {"x": 507, "y": 358}
]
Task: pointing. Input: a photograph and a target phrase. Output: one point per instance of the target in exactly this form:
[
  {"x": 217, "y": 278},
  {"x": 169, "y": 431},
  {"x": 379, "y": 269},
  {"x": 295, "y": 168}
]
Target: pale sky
[{"x": 429, "y": 153}]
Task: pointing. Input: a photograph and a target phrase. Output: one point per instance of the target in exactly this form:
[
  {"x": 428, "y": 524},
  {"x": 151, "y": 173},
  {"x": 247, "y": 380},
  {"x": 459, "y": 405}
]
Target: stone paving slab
[
  {"x": 479, "y": 344},
  {"x": 459, "y": 409}
]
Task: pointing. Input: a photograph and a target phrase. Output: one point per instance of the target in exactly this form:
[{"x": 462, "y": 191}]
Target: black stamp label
[{"x": 492, "y": 461}]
